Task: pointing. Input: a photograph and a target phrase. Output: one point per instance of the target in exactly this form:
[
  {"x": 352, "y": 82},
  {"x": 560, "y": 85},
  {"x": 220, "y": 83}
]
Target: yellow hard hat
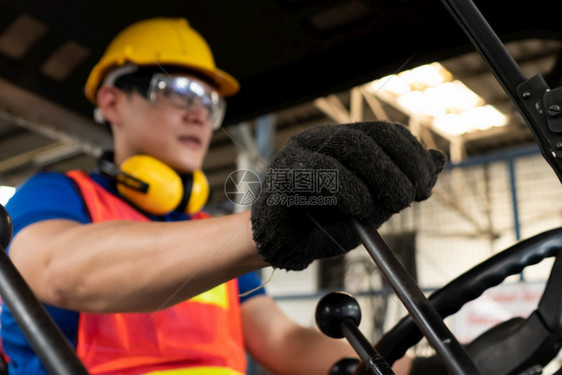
[{"x": 160, "y": 41}]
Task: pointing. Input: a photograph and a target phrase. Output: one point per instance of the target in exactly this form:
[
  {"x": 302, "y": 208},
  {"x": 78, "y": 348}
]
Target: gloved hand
[{"x": 325, "y": 175}]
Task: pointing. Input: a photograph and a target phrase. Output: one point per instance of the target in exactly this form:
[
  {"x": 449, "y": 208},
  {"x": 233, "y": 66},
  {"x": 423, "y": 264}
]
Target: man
[{"x": 139, "y": 290}]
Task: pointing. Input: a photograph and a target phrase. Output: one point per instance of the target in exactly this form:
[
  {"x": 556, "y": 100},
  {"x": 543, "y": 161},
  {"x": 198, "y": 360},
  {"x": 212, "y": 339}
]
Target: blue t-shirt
[{"x": 51, "y": 195}]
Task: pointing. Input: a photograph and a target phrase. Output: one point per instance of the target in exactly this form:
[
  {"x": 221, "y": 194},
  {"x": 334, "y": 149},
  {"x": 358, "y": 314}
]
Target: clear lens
[{"x": 187, "y": 93}]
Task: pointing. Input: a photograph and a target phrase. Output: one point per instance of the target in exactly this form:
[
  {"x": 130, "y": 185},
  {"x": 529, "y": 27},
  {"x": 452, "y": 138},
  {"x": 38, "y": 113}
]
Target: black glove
[{"x": 325, "y": 175}]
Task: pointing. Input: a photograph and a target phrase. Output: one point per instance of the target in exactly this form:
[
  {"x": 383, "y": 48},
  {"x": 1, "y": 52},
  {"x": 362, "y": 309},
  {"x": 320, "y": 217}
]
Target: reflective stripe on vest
[
  {"x": 197, "y": 371},
  {"x": 201, "y": 335}
]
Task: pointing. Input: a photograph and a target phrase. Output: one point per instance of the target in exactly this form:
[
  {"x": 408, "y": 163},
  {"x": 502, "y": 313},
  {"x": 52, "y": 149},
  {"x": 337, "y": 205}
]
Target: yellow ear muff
[
  {"x": 165, "y": 188},
  {"x": 199, "y": 193}
]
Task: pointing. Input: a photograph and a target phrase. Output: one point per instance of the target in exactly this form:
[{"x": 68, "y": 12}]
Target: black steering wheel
[{"x": 510, "y": 347}]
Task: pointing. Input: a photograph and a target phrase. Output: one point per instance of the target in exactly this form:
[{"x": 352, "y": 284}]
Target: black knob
[
  {"x": 333, "y": 309},
  {"x": 5, "y": 228},
  {"x": 345, "y": 366}
]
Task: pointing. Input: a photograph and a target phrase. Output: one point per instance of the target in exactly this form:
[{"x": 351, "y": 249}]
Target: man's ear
[{"x": 107, "y": 103}]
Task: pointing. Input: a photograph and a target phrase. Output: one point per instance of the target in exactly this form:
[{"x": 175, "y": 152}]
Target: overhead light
[
  {"x": 65, "y": 60},
  {"x": 391, "y": 84},
  {"x": 418, "y": 103},
  {"x": 454, "y": 96},
  {"x": 479, "y": 118},
  {"x": 21, "y": 36},
  {"x": 424, "y": 76},
  {"x": 6, "y": 193},
  {"x": 430, "y": 92}
]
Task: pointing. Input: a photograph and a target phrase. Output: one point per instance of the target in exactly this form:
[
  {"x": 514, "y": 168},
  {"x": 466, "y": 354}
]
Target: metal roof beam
[{"x": 42, "y": 116}]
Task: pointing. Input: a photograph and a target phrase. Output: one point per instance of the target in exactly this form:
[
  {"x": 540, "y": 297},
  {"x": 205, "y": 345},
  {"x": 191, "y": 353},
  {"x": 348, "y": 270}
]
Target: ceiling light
[
  {"x": 6, "y": 193},
  {"x": 392, "y": 84},
  {"x": 418, "y": 103},
  {"x": 430, "y": 92},
  {"x": 479, "y": 118},
  {"x": 426, "y": 76},
  {"x": 454, "y": 97},
  {"x": 21, "y": 36}
]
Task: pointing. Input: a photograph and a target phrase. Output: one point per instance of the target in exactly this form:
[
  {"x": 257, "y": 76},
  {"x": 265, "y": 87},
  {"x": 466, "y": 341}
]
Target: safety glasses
[
  {"x": 187, "y": 93},
  {"x": 163, "y": 88}
]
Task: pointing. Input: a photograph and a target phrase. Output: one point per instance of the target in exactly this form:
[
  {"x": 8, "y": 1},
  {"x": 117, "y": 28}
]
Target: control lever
[
  {"x": 44, "y": 336},
  {"x": 338, "y": 315},
  {"x": 420, "y": 309}
]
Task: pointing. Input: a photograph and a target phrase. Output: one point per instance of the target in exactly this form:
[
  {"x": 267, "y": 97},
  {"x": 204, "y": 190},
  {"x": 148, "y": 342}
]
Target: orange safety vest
[{"x": 200, "y": 336}]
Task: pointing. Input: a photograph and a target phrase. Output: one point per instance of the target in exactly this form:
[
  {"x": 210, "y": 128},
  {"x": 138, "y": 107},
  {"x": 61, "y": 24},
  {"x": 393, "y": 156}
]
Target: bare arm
[{"x": 131, "y": 266}]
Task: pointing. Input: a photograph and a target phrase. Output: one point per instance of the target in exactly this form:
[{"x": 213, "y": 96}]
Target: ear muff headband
[
  {"x": 156, "y": 188},
  {"x": 111, "y": 170}
]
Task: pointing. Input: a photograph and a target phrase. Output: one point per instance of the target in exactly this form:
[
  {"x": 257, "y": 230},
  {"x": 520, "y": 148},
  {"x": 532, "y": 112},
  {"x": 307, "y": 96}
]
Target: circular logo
[{"x": 242, "y": 187}]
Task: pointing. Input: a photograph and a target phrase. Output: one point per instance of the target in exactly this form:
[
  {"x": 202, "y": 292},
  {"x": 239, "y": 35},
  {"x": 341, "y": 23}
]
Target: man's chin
[
  {"x": 186, "y": 163},
  {"x": 185, "y": 168}
]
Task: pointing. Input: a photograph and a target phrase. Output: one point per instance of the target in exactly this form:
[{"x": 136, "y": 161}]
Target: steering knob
[
  {"x": 344, "y": 366},
  {"x": 5, "y": 228},
  {"x": 333, "y": 309}
]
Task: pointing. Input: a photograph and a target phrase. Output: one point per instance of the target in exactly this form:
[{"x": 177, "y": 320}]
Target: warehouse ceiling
[{"x": 285, "y": 53}]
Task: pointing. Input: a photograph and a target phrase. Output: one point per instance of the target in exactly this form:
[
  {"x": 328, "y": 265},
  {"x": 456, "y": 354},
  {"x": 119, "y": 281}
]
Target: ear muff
[
  {"x": 156, "y": 188},
  {"x": 199, "y": 192}
]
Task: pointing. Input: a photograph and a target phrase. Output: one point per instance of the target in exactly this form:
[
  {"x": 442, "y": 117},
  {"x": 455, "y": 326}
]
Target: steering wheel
[{"x": 512, "y": 346}]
